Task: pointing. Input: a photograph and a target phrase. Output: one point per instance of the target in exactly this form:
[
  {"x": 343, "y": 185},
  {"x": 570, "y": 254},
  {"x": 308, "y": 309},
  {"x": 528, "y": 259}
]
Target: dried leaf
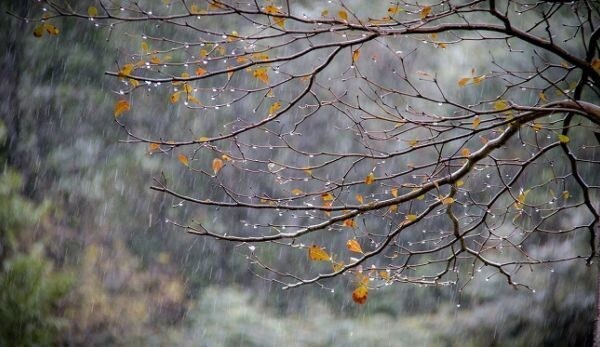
[
  {"x": 465, "y": 152},
  {"x": 500, "y": 105},
  {"x": 370, "y": 178},
  {"x": 174, "y": 97},
  {"x": 477, "y": 79},
  {"x": 463, "y": 81},
  {"x": 447, "y": 200},
  {"x": 355, "y": 55},
  {"x": 126, "y": 70},
  {"x": 274, "y": 108},
  {"x": 393, "y": 209},
  {"x": 360, "y": 294},
  {"x": 279, "y": 21},
  {"x": 261, "y": 74},
  {"x": 360, "y": 199},
  {"x": 217, "y": 165},
  {"x": 392, "y": 10},
  {"x": 200, "y": 71},
  {"x": 338, "y": 266},
  {"x": 297, "y": 191},
  {"x": 476, "y": 122},
  {"x": 317, "y": 253},
  {"x": 354, "y": 246},
  {"x": 121, "y": 107},
  {"x": 343, "y": 15},
  {"x": 411, "y": 217},
  {"x": 350, "y": 223},
  {"x": 38, "y": 31},
  {"x": 394, "y": 192},
  {"x": 425, "y": 11},
  {"x": 566, "y": 194},
  {"x": 327, "y": 196},
  {"x": 153, "y": 147},
  {"x": 596, "y": 64},
  {"x": 183, "y": 159}
]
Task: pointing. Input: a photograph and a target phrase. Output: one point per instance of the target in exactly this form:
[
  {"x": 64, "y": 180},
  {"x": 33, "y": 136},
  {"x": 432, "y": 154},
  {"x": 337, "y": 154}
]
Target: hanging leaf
[
  {"x": 200, "y": 71},
  {"x": 596, "y": 64},
  {"x": 343, "y": 15},
  {"x": 476, "y": 122},
  {"x": 392, "y": 10},
  {"x": 203, "y": 139},
  {"x": 338, "y": 266},
  {"x": 327, "y": 204},
  {"x": 317, "y": 253},
  {"x": 92, "y": 11},
  {"x": 393, "y": 209},
  {"x": 279, "y": 21},
  {"x": 126, "y": 70},
  {"x": 563, "y": 138},
  {"x": 274, "y": 108},
  {"x": 225, "y": 157},
  {"x": 411, "y": 217},
  {"x": 183, "y": 159},
  {"x": 324, "y": 13},
  {"x": 566, "y": 194},
  {"x": 447, "y": 200},
  {"x": 425, "y": 11},
  {"x": 350, "y": 223},
  {"x": 153, "y": 147},
  {"x": 463, "y": 81},
  {"x": 354, "y": 246},
  {"x": 327, "y": 197},
  {"x": 500, "y": 105},
  {"x": 355, "y": 55},
  {"x": 413, "y": 142},
  {"x": 297, "y": 191},
  {"x": 121, "y": 107},
  {"x": 385, "y": 275},
  {"x": 521, "y": 199},
  {"x": 370, "y": 178},
  {"x": 51, "y": 29},
  {"x": 465, "y": 152},
  {"x": 144, "y": 47},
  {"x": 394, "y": 192},
  {"x": 460, "y": 183},
  {"x": 38, "y": 31},
  {"x": 360, "y": 294},
  {"x": 174, "y": 97},
  {"x": 261, "y": 74},
  {"x": 217, "y": 165},
  {"x": 360, "y": 199}
]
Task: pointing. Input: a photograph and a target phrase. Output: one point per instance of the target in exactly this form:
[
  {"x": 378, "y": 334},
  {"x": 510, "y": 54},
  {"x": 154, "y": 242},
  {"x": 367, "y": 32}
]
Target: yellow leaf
[
  {"x": 392, "y": 10},
  {"x": 394, "y": 192},
  {"x": 337, "y": 266},
  {"x": 350, "y": 223},
  {"x": 563, "y": 138},
  {"x": 203, "y": 139},
  {"x": 203, "y": 53},
  {"x": 262, "y": 75},
  {"x": 463, "y": 81},
  {"x": 500, "y": 105},
  {"x": 193, "y": 99},
  {"x": 153, "y": 147},
  {"x": 183, "y": 159},
  {"x": 385, "y": 275},
  {"x": 155, "y": 60},
  {"x": 297, "y": 191},
  {"x": 411, "y": 217},
  {"x": 225, "y": 157},
  {"x": 413, "y": 142},
  {"x": 370, "y": 178},
  {"x": 126, "y": 70},
  {"x": 360, "y": 294},
  {"x": 279, "y": 21},
  {"x": 393, "y": 208},
  {"x": 121, "y": 107},
  {"x": 51, "y": 29},
  {"x": 134, "y": 83},
  {"x": 476, "y": 122},
  {"x": 447, "y": 200},
  {"x": 425, "y": 11},
  {"x": 200, "y": 71},
  {"x": 175, "y": 97},
  {"x": 360, "y": 199},
  {"x": 92, "y": 11},
  {"x": 194, "y": 9},
  {"x": 260, "y": 56},
  {"x": 477, "y": 79},
  {"x": 187, "y": 88},
  {"x": 543, "y": 97},
  {"x": 325, "y": 13},
  {"x": 271, "y": 10},
  {"x": 317, "y": 253},
  {"x": 38, "y": 31},
  {"x": 327, "y": 204},
  {"x": 465, "y": 152},
  {"x": 217, "y": 165},
  {"x": 354, "y": 246},
  {"x": 274, "y": 108},
  {"x": 521, "y": 199},
  {"x": 566, "y": 194},
  {"x": 460, "y": 183},
  {"x": 144, "y": 47},
  {"x": 343, "y": 15},
  {"x": 327, "y": 196},
  {"x": 355, "y": 55}
]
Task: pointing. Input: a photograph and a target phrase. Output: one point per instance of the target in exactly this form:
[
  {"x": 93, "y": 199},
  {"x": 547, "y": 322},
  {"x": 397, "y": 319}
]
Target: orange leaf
[
  {"x": 317, "y": 253},
  {"x": 476, "y": 122},
  {"x": 354, "y": 246},
  {"x": 121, "y": 107},
  {"x": 425, "y": 12},
  {"x": 126, "y": 70},
  {"x": 261, "y": 74},
  {"x": 463, "y": 81},
  {"x": 355, "y": 55},
  {"x": 274, "y": 108},
  {"x": 360, "y": 294},
  {"x": 370, "y": 178},
  {"x": 217, "y": 165},
  {"x": 360, "y": 198},
  {"x": 465, "y": 152},
  {"x": 350, "y": 223},
  {"x": 343, "y": 15},
  {"x": 200, "y": 71},
  {"x": 447, "y": 200},
  {"x": 327, "y": 196},
  {"x": 153, "y": 147},
  {"x": 183, "y": 159},
  {"x": 174, "y": 97}
]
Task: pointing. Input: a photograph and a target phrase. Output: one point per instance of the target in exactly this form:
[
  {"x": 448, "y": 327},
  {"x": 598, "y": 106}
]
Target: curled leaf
[{"x": 355, "y": 55}]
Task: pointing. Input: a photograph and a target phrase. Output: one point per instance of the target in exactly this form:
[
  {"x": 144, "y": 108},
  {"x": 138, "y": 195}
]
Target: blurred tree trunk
[{"x": 597, "y": 319}]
